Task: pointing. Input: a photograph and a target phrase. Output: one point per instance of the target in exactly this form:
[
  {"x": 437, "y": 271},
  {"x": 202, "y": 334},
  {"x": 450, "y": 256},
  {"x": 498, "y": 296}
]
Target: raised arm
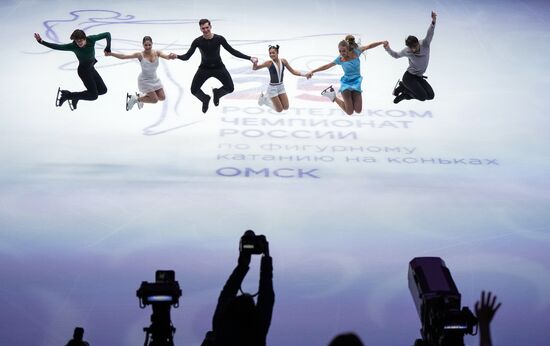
[
  {"x": 486, "y": 309},
  {"x": 430, "y": 34},
  {"x": 55, "y": 46},
  {"x": 266, "y": 63},
  {"x": 266, "y": 295},
  {"x": 123, "y": 56},
  {"x": 371, "y": 45},
  {"x": 103, "y": 35},
  {"x": 293, "y": 71},
  {"x": 231, "y": 287},
  {"x": 393, "y": 53},
  {"x": 190, "y": 51},
  {"x": 320, "y": 68},
  {"x": 163, "y": 55},
  {"x": 233, "y": 51}
]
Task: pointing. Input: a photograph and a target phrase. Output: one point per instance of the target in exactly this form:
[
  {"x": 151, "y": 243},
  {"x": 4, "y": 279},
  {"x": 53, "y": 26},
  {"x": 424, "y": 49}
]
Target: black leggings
[
  {"x": 92, "y": 81},
  {"x": 203, "y": 74},
  {"x": 418, "y": 87}
]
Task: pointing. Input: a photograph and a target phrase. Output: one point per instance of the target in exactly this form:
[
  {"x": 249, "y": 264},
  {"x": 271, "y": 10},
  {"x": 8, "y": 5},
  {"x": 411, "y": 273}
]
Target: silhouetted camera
[
  {"x": 252, "y": 244},
  {"x": 161, "y": 295},
  {"x": 164, "y": 289},
  {"x": 437, "y": 302}
]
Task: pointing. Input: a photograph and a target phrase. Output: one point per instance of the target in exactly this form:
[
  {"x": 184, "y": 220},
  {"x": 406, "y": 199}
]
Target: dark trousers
[
  {"x": 418, "y": 87},
  {"x": 92, "y": 82},
  {"x": 203, "y": 74}
]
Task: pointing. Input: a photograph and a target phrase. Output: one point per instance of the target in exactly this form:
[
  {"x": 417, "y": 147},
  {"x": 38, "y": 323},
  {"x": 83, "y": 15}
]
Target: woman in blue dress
[{"x": 350, "y": 83}]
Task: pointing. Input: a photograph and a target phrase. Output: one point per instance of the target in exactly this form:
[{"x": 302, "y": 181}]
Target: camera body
[
  {"x": 165, "y": 289},
  {"x": 437, "y": 302},
  {"x": 253, "y": 244}
]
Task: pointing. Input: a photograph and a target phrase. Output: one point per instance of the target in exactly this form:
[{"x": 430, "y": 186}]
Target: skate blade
[
  {"x": 127, "y": 99},
  {"x": 58, "y": 97},
  {"x": 330, "y": 88},
  {"x": 394, "y": 92},
  {"x": 71, "y": 106}
]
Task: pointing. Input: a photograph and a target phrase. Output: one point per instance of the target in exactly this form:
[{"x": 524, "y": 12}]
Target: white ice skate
[
  {"x": 330, "y": 93},
  {"x": 139, "y": 103},
  {"x": 131, "y": 100},
  {"x": 261, "y": 100}
]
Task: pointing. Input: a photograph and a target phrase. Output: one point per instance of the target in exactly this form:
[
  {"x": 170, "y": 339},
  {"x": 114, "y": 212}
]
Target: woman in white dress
[
  {"x": 149, "y": 85},
  {"x": 276, "y": 97}
]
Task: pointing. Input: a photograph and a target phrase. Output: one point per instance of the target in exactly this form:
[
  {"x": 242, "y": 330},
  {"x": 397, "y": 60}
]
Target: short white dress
[{"x": 147, "y": 79}]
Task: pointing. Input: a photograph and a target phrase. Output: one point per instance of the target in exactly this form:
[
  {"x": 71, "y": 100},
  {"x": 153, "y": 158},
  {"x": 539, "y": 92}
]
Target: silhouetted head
[
  {"x": 349, "y": 339},
  {"x": 79, "y": 37},
  {"x": 238, "y": 323},
  {"x": 412, "y": 43},
  {"x": 242, "y": 308}
]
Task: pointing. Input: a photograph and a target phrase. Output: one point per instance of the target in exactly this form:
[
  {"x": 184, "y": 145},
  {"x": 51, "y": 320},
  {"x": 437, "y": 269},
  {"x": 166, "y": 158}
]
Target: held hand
[
  {"x": 172, "y": 56},
  {"x": 309, "y": 75},
  {"x": 107, "y": 52},
  {"x": 486, "y": 308},
  {"x": 434, "y": 16},
  {"x": 37, "y": 37},
  {"x": 386, "y": 44},
  {"x": 254, "y": 60}
]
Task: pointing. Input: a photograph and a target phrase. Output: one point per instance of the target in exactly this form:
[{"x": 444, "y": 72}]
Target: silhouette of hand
[{"x": 486, "y": 308}]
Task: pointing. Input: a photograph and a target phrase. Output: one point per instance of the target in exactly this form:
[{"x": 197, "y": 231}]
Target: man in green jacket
[{"x": 83, "y": 47}]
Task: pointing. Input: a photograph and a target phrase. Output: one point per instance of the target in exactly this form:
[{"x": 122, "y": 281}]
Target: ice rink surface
[{"x": 93, "y": 201}]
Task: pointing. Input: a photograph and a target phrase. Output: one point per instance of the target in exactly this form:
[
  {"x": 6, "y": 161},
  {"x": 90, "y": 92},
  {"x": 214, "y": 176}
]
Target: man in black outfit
[
  {"x": 211, "y": 64},
  {"x": 238, "y": 320}
]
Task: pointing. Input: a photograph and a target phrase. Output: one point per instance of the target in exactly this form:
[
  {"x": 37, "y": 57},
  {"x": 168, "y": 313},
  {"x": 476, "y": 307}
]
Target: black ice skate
[
  {"x": 61, "y": 97},
  {"x": 398, "y": 88},
  {"x": 72, "y": 104}
]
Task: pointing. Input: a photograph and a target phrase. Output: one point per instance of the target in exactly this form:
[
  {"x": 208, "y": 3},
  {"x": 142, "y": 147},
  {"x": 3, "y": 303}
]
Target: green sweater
[{"x": 85, "y": 53}]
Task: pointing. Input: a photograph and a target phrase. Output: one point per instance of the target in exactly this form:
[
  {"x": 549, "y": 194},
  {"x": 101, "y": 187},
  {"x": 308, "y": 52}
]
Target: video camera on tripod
[{"x": 161, "y": 295}]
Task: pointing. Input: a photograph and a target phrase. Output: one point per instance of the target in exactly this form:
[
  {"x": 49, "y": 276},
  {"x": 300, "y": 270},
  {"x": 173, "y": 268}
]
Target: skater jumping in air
[
  {"x": 211, "y": 64},
  {"x": 149, "y": 84},
  {"x": 275, "y": 97},
  {"x": 83, "y": 47},
  {"x": 414, "y": 84},
  {"x": 350, "y": 83}
]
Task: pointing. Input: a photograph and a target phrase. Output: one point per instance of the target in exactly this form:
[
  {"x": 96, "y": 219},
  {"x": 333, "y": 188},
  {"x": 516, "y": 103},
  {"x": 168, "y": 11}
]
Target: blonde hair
[{"x": 349, "y": 41}]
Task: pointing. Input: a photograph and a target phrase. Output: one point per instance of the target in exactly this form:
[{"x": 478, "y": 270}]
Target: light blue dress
[{"x": 351, "y": 80}]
